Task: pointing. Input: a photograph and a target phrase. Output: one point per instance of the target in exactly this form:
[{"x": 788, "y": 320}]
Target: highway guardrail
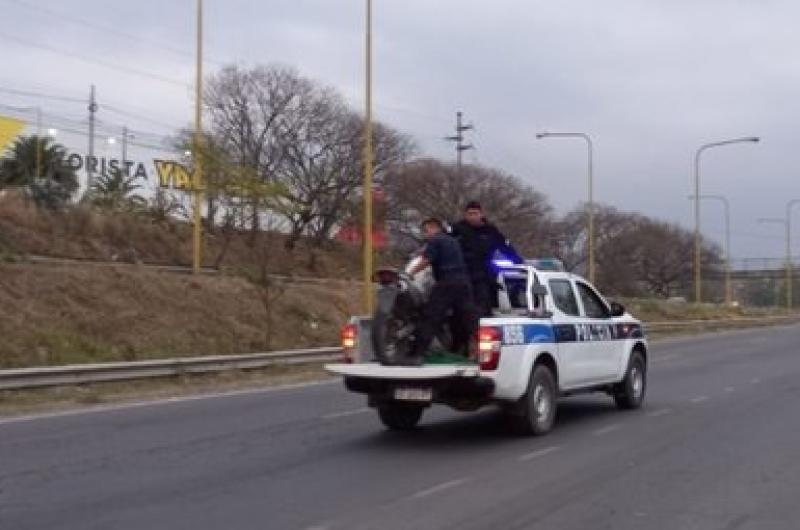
[{"x": 44, "y": 376}]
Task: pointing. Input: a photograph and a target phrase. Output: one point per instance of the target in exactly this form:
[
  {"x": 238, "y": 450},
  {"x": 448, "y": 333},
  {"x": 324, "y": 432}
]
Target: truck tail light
[
  {"x": 349, "y": 341},
  {"x": 489, "y": 342}
]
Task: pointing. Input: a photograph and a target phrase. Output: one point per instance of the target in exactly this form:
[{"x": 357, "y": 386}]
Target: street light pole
[
  {"x": 368, "y": 161},
  {"x": 727, "y": 211},
  {"x": 789, "y": 266},
  {"x": 697, "y": 246},
  {"x": 590, "y": 148},
  {"x": 785, "y": 222}
]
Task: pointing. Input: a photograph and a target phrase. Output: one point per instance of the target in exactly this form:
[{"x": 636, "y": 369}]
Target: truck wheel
[
  {"x": 629, "y": 394},
  {"x": 535, "y": 413},
  {"x": 400, "y": 417}
]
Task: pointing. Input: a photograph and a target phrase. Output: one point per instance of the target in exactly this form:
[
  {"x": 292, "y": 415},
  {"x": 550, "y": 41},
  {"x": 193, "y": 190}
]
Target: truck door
[
  {"x": 606, "y": 350},
  {"x": 575, "y": 360}
]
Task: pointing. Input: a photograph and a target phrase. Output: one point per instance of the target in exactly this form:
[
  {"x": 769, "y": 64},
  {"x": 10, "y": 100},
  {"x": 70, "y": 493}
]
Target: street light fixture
[
  {"x": 590, "y": 148},
  {"x": 697, "y": 249},
  {"x": 727, "y": 211}
]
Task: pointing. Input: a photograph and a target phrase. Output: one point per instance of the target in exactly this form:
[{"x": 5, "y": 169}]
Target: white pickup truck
[{"x": 552, "y": 335}]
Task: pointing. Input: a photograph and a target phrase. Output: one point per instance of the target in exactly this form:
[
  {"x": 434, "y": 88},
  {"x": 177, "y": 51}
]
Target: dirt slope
[{"x": 66, "y": 314}]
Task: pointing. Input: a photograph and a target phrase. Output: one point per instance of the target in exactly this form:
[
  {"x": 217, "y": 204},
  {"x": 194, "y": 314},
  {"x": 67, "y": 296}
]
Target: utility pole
[
  {"x": 124, "y": 146},
  {"x": 459, "y": 138},
  {"x": 90, "y": 163},
  {"x": 38, "y": 142},
  {"x": 197, "y": 229},
  {"x": 369, "y": 297}
]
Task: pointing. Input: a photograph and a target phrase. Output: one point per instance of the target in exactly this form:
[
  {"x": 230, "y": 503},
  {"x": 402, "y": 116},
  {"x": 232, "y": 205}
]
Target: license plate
[{"x": 413, "y": 394}]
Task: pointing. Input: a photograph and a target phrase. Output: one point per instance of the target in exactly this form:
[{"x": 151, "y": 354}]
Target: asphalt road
[{"x": 717, "y": 446}]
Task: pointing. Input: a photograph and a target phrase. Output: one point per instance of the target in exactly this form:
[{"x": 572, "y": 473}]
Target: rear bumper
[{"x": 447, "y": 390}]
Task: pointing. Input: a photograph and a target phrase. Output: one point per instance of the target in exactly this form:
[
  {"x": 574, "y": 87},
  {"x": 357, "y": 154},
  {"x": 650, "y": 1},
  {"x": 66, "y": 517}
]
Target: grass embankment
[
  {"x": 68, "y": 314},
  {"x": 654, "y": 310},
  {"x": 84, "y": 233}
]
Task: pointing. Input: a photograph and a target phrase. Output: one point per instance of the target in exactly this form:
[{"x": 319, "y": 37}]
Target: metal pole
[
  {"x": 728, "y": 284},
  {"x": 198, "y": 158},
  {"x": 368, "y": 295},
  {"x": 697, "y": 246},
  {"x": 124, "y": 145},
  {"x": 785, "y": 222},
  {"x": 38, "y": 142},
  {"x": 788, "y": 262},
  {"x": 459, "y": 139},
  {"x": 590, "y": 223},
  {"x": 789, "y": 265},
  {"x": 727, "y": 215},
  {"x": 90, "y": 162},
  {"x": 591, "y": 209},
  {"x": 697, "y": 275}
]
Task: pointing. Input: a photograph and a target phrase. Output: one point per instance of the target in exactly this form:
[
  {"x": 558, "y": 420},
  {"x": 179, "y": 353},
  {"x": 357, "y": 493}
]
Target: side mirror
[{"x": 617, "y": 309}]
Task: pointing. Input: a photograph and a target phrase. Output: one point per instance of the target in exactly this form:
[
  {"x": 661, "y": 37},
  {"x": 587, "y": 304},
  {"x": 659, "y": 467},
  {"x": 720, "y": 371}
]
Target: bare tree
[
  {"x": 248, "y": 110},
  {"x": 428, "y": 187},
  {"x": 297, "y": 134},
  {"x": 636, "y": 255}
]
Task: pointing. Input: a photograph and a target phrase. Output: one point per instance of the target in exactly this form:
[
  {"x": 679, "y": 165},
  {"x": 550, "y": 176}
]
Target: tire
[
  {"x": 390, "y": 317},
  {"x": 400, "y": 417},
  {"x": 629, "y": 394},
  {"x": 535, "y": 413}
]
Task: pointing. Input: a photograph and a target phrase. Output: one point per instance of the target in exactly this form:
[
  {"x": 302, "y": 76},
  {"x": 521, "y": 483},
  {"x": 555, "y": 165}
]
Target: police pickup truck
[{"x": 551, "y": 335}]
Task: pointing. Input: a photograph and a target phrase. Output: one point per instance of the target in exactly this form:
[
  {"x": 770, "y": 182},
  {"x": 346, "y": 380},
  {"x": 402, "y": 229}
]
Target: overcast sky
[{"x": 649, "y": 80}]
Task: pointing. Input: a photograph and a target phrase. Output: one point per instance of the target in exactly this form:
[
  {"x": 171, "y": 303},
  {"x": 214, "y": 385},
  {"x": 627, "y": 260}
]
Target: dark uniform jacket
[
  {"x": 478, "y": 244},
  {"x": 445, "y": 257}
]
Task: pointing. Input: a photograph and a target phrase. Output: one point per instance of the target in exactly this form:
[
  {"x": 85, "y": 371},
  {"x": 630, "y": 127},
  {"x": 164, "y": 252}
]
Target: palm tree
[
  {"x": 115, "y": 190},
  {"x": 40, "y": 167}
]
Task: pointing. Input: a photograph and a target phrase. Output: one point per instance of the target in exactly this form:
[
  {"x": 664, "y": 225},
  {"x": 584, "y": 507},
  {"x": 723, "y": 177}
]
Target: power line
[
  {"x": 71, "y": 125},
  {"x": 99, "y": 62},
  {"x": 31, "y": 93},
  {"x": 83, "y": 22},
  {"x": 115, "y": 108}
]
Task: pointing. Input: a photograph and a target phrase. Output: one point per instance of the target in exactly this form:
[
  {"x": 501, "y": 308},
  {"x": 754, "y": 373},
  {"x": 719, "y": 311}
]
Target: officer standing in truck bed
[
  {"x": 452, "y": 291},
  {"x": 479, "y": 241}
]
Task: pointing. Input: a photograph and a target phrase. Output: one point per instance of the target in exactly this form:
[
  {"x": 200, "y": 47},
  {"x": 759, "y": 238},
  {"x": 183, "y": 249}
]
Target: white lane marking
[
  {"x": 540, "y": 453},
  {"x": 699, "y": 399},
  {"x": 345, "y": 414},
  {"x": 755, "y": 381},
  {"x": 439, "y": 488},
  {"x": 659, "y": 412},
  {"x": 156, "y": 402},
  {"x": 729, "y": 389},
  {"x": 606, "y": 430}
]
